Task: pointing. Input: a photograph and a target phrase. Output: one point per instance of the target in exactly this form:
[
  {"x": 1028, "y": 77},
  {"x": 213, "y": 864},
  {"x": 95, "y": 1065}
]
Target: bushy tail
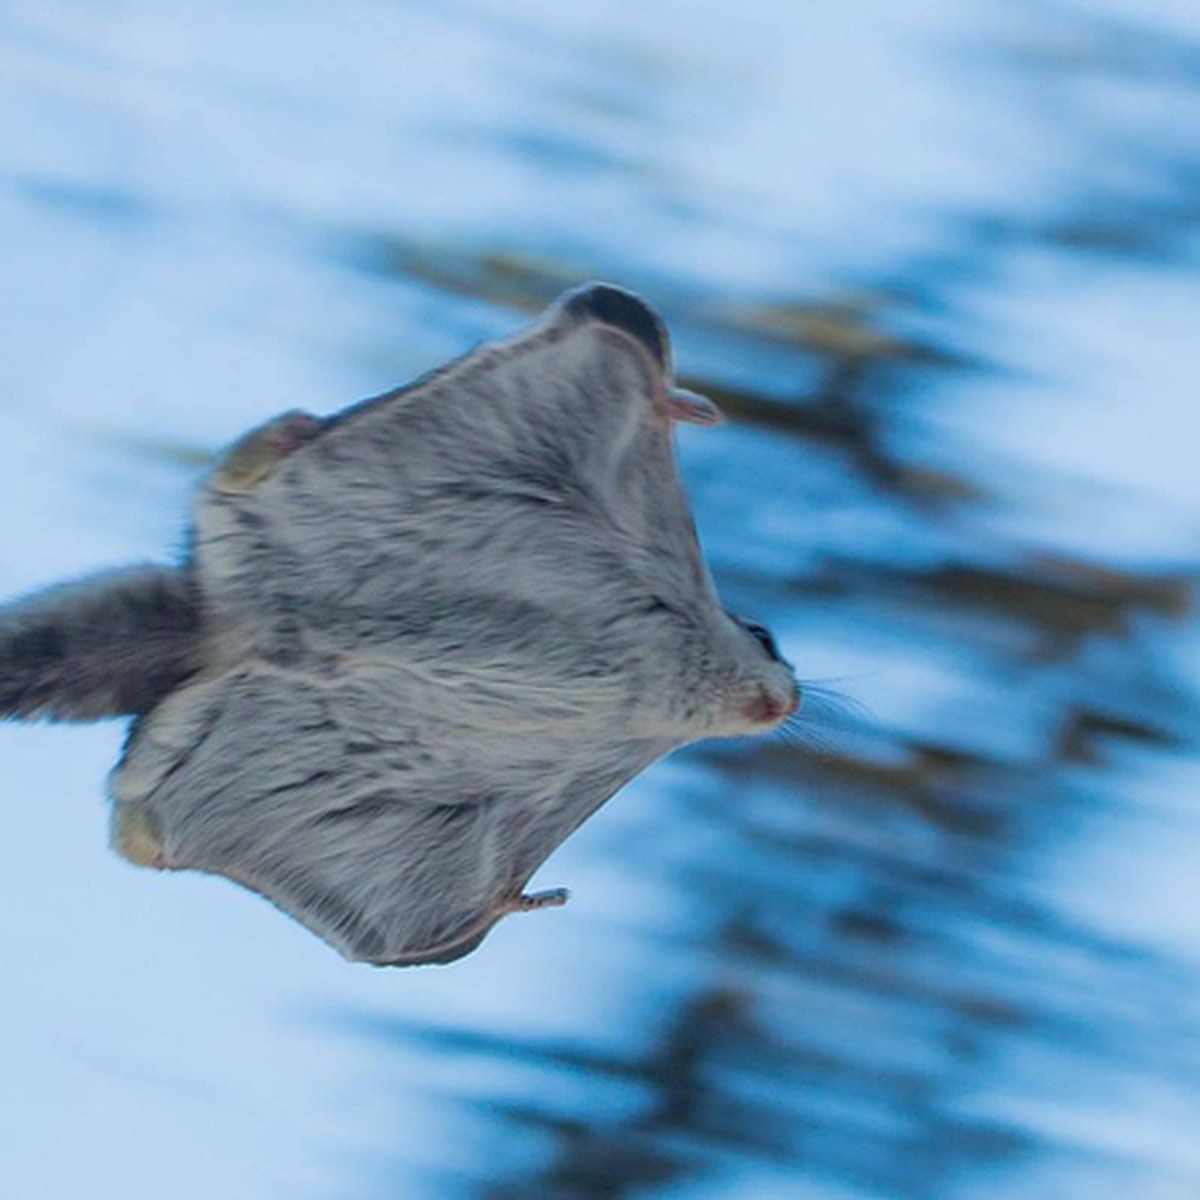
[{"x": 109, "y": 645}]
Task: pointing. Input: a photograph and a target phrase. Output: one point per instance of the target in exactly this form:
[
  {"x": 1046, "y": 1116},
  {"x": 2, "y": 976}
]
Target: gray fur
[
  {"x": 439, "y": 630},
  {"x": 105, "y": 646}
]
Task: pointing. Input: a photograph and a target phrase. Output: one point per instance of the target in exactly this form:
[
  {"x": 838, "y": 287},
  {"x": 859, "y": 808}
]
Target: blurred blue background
[{"x": 938, "y": 262}]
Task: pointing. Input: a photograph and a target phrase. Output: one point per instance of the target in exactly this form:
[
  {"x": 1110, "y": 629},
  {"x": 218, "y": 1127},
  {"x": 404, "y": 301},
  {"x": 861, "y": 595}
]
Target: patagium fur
[{"x": 415, "y": 644}]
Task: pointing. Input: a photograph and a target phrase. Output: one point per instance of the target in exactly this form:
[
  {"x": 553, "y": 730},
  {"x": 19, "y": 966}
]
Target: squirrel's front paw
[{"x": 254, "y": 457}]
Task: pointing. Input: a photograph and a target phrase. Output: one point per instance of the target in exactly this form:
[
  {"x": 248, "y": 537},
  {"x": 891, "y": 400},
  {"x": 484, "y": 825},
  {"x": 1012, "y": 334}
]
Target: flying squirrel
[{"x": 413, "y": 645}]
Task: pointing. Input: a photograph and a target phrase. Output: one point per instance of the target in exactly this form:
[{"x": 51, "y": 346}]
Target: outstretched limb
[
  {"x": 528, "y": 902},
  {"x": 253, "y": 457},
  {"x": 468, "y": 939},
  {"x": 691, "y": 407},
  {"x": 136, "y": 836}
]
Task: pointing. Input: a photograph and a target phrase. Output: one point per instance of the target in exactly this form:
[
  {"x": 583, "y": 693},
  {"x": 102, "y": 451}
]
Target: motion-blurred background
[{"x": 938, "y": 262}]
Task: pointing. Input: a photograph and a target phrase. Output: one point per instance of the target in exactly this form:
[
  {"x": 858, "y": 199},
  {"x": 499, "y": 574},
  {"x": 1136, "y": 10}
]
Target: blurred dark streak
[{"x": 75, "y": 199}]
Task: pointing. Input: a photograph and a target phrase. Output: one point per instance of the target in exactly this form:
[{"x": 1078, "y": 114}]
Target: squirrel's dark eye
[{"x": 763, "y": 637}]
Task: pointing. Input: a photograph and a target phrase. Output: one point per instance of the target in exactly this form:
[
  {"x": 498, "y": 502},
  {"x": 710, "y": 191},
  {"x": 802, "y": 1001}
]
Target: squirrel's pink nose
[{"x": 769, "y": 709}]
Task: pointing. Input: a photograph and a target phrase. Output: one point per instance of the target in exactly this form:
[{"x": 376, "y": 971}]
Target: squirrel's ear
[{"x": 110, "y": 645}]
